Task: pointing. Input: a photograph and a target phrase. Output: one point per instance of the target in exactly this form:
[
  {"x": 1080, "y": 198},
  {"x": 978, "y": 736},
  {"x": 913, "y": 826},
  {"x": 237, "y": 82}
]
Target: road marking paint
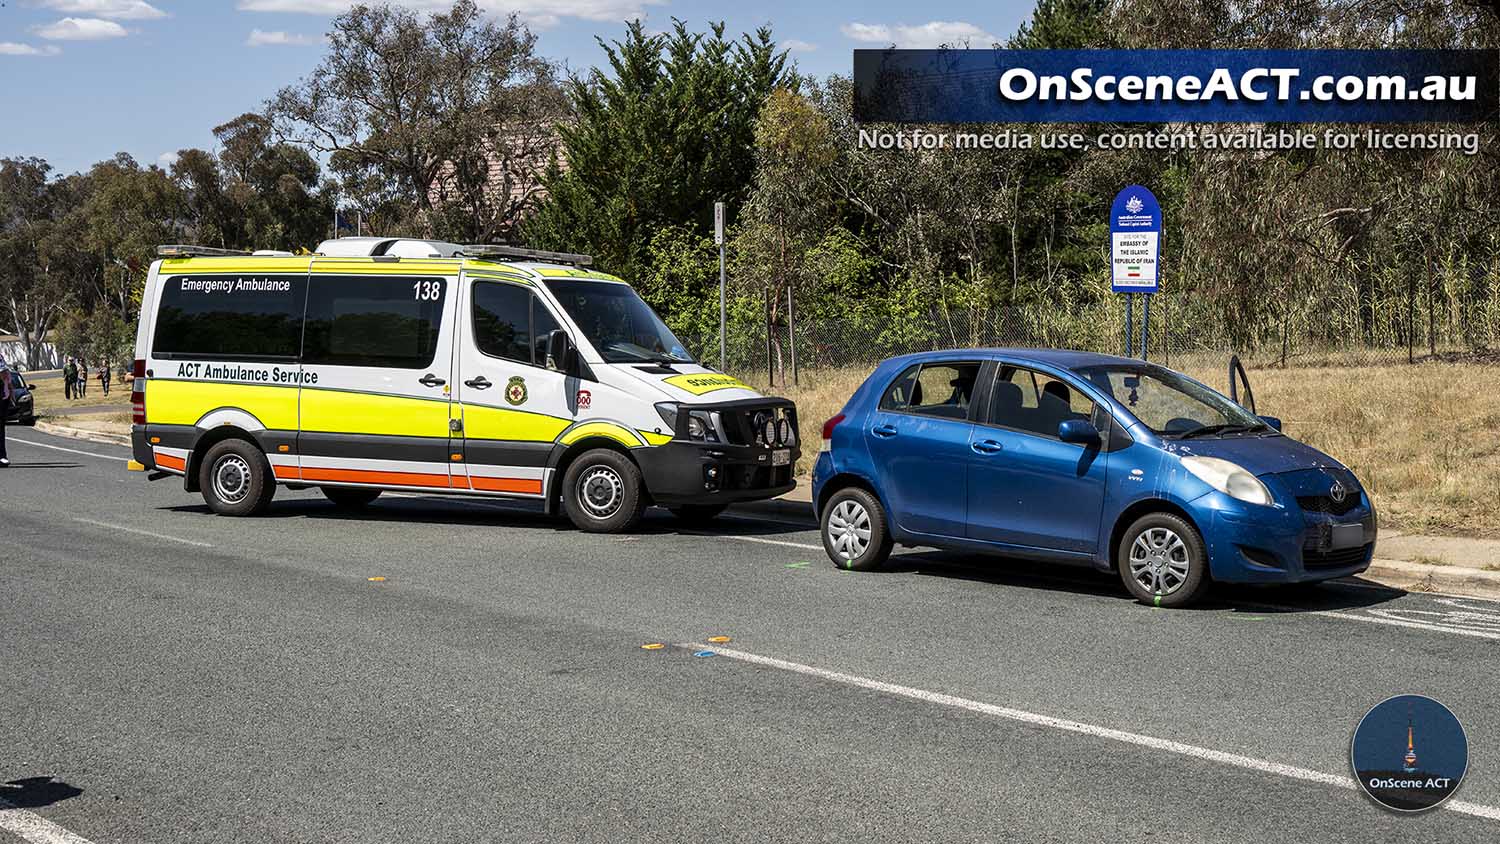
[
  {"x": 35, "y": 828},
  {"x": 652, "y": 646},
  {"x": 1035, "y": 719},
  {"x": 1375, "y": 619},
  {"x": 798, "y": 565},
  {"x": 144, "y": 533},
  {"x": 68, "y": 450},
  {"x": 755, "y": 539},
  {"x": 718, "y": 639},
  {"x": 376, "y": 579}
]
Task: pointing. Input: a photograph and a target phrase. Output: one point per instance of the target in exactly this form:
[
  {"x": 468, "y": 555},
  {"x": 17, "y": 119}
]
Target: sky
[{"x": 83, "y": 79}]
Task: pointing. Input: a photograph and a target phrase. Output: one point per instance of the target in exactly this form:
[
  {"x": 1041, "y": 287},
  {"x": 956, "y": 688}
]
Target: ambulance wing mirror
[{"x": 561, "y": 353}]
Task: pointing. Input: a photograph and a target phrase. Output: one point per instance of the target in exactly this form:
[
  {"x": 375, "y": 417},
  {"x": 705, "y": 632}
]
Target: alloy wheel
[{"x": 1159, "y": 560}]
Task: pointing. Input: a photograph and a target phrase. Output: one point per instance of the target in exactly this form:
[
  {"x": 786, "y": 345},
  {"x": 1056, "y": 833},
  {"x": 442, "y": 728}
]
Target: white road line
[
  {"x": 1151, "y": 742},
  {"x": 68, "y": 450},
  {"x": 35, "y": 828},
  {"x": 143, "y": 532},
  {"x": 756, "y": 539}
]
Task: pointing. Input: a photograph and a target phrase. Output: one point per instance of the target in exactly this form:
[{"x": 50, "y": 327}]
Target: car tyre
[
  {"x": 236, "y": 479},
  {"x": 602, "y": 492},
  {"x": 853, "y": 527},
  {"x": 349, "y": 497},
  {"x": 1162, "y": 561},
  {"x": 697, "y": 514}
]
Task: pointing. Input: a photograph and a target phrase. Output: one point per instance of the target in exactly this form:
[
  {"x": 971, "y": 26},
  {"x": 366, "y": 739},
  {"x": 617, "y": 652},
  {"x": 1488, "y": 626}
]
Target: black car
[{"x": 21, "y": 411}]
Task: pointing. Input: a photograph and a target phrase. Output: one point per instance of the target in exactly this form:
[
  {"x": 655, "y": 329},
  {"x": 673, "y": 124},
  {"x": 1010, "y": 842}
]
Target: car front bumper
[{"x": 1250, "y": 543}]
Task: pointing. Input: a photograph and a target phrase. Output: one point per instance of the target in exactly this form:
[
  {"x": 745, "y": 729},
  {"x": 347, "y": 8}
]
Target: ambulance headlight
[
  {"x": 700, "y": 425},
  {"x": 1229, "y": 478},
  {"x": 697, "y": 428}
]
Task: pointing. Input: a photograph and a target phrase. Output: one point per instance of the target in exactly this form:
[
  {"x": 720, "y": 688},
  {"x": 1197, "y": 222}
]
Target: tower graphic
[{"x": 1410, "y": 761}]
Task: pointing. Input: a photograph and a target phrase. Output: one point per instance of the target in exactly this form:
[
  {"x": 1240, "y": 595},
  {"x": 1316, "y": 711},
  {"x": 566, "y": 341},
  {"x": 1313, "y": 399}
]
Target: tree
[
  {"x": 654, "y": 141},
  {"x": 435, "y": 126},
  {"x": 34, "y": 288}
]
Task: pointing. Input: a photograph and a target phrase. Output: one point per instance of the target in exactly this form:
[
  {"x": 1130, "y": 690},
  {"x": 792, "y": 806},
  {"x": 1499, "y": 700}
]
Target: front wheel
[
  {"x": 1163, "y": 561},
  {"x": 854, "y": 531},
  {"x": 349, "y": 497},
  {"x": 236, "y": 479},
  {"x": 602, "y": 492}
]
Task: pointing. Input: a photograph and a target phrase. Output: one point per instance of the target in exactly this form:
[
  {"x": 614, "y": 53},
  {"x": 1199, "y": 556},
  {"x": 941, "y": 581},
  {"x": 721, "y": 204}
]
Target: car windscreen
[
  {"x": 1169, "y": 403},
  {"x": 619, "y": 324}
]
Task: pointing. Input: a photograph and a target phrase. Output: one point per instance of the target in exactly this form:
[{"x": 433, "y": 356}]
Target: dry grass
[
  {"x": 1424, "y": 438},
  {"x": 47, "y": 396}
]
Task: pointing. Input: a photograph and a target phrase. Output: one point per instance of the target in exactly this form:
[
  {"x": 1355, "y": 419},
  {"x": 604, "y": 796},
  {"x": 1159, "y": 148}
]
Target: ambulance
[{"x": 428, "y": 367}]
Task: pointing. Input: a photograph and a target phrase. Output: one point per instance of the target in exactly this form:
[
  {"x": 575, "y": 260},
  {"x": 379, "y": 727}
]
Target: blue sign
[
  {"x": 1134, "y": 241},
  {"x": 1176, "y": 86}
]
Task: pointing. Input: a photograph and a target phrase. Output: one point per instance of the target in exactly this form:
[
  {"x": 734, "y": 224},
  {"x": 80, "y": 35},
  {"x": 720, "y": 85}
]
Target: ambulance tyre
[
  {"x": 236, "y": 479},
  {"x": 602, "y": 492},
  {"x": 349, "y": 497}
]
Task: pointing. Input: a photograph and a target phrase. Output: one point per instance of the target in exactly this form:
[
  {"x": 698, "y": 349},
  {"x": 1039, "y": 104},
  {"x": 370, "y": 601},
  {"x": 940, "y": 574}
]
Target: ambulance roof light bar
[
  {"x": 188, "y": 250},
  {"x": 500, "y": 250}
]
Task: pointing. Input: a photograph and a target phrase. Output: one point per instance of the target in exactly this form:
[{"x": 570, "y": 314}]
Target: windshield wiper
[{"x": 1227, "y": 428}]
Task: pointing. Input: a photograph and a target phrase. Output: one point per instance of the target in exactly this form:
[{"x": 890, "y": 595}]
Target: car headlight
[{"x": 1229, "y": 478}]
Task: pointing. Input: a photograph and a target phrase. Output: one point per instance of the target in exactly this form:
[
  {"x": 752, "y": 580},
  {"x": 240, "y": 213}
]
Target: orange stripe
[
  {"x": 366, "y": 476},
  {"x": 167, "y": 461},
  {"x": 287, "y": 472},
  {"x": 523, "y": 485}
]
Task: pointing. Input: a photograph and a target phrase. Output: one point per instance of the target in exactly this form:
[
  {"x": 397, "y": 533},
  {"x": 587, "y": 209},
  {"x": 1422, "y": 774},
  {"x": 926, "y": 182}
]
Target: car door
[
  {"x": 512, "y": 407},
  {"x": 1026, "y": 487},
  {"x": 377, "y": 366},
  {"x": 918, "y": 439}
]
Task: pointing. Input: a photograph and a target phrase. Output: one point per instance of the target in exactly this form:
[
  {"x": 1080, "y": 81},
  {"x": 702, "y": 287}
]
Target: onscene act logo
[{"x": 1409, "y": 753}]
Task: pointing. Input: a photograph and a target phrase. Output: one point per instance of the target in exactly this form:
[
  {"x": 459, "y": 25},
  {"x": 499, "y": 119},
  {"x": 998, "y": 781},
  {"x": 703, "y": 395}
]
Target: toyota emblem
[{"x": 1337, "y": 493}]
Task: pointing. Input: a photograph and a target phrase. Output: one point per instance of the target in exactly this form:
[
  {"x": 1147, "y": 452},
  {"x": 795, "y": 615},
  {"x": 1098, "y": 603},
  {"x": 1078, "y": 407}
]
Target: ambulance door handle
[
  {"x": 480, "y": 383},
  {"x": 430, "y": 380}
]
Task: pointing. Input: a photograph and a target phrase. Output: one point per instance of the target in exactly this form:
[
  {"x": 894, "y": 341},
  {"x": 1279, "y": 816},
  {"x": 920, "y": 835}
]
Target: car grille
[
  {"x": 1324, "y": 504},
  {"x": 1340, "y": 559}
]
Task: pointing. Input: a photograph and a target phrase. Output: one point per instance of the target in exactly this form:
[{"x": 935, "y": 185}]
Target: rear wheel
[
  {"x": 236, "y": 479},
  {"x": 602, "y": 492},
  {"x": 350, "y": 498},
  {"x": 1163, "y": 561},
  {"x": 854, "y": 530},
  {"x": 697, "y": 514}
]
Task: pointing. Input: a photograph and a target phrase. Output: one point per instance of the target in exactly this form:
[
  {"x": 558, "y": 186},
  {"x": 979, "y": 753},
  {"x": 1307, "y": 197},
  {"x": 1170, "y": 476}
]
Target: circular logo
[
  {"x": 515, "y": 390},
  {"x": 1409, "y": 753},
  {"x": 1337, "y": 492}
]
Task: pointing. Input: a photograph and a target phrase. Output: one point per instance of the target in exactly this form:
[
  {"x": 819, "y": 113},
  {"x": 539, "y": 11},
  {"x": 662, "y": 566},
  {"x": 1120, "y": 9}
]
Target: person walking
[
  {"x": 104, "y": 378},
  {"x": 7, "y": 398},
  {"x": 70, "y": 378},
  {"x": 83, "y": 379}
]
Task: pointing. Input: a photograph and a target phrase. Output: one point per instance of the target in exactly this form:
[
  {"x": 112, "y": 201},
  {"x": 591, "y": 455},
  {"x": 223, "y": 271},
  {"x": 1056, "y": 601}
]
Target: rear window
[
  {"x": 937, "y": 389},
  {"x": 230, "y": 317},
  {"x": 374, "y": 321}
]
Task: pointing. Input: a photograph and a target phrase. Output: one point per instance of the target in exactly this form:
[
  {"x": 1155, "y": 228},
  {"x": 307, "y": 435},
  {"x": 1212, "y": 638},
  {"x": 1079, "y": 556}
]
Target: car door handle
[
  {"x": 430, "y": 380},
  {"x": 987, "y": 447},
  {"x": 884, "y": 430},
  {"x": 480, "y": 383}
]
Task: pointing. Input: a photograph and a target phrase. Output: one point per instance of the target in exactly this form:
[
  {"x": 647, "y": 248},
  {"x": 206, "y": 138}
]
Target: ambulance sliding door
[{"x": 377, "y": 372}]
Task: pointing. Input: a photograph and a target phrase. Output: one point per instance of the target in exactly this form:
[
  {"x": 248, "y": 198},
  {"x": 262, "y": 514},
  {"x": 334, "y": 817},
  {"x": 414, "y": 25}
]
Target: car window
[
  {"x": 230, "y": 317},
  {"x": 937, "y": 389},
  {"x": 1035, "y": 402},
  {"x": 511, "y": 322},
  {"x": 1167, "y": 402},
  {"x": 373, "y": 321}
]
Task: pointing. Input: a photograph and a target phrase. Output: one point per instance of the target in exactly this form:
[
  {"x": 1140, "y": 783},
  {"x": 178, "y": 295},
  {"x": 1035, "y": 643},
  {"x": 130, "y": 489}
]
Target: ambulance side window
[
  {"x": 511, "y": 322},
  {"x": 374, "y": 321},
  {"x": 230, "y": 317}
]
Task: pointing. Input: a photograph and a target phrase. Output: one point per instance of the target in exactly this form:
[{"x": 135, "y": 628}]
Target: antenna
[{"x": 500, "y": 250}]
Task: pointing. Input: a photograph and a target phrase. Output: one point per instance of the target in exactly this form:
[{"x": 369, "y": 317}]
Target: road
[{"x": 170, "y": 675}]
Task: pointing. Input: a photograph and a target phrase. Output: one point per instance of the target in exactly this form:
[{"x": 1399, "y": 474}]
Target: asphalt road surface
[{"x": 173, "y": 676}]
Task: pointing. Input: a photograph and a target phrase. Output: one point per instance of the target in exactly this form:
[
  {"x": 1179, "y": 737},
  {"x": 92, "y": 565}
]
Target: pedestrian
[
  {"x": 104, "y": 378},
  {"x": 82, "y": 387},
  {"x": 70, "y": 375},
  {"x": 7, "y": 398}
]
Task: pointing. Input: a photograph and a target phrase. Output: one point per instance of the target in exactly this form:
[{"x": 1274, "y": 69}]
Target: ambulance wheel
[
  {"x": 236, "y": 479},
  {"x": 350, "y": 498},
  {"x": 602, "y": 492},
  {"x": 697, "y": 514}
]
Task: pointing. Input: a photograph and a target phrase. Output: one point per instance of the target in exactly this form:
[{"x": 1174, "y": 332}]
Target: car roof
[{"x": 1070, "y": 359}]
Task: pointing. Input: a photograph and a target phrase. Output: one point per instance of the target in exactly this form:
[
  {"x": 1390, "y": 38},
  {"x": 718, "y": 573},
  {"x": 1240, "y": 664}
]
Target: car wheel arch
[
  {"x": 844, "y": 480},
  {"x": 1136, "y": 510},
  {"x": 564, "y": 457}
]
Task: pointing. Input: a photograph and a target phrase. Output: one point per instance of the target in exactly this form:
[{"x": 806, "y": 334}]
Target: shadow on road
[{"x": 34, "y": 792}]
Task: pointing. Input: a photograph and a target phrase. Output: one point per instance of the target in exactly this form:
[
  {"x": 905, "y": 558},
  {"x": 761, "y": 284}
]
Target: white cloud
[
  {"x": 928, "y": 35},
  {"x": 797, "y": 45},
  {"x": 166, "y": 160},
  {"x": 81, "y": 29},
  {"x": 261, "y": 38},
  {"x": 12, "y": 48},
  {"x": 541, "y": 14},
  {"x": 120, "y": 10}
]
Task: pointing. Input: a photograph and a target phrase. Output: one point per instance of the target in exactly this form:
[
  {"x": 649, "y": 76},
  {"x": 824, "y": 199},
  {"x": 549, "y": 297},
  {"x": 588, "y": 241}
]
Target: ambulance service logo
[
  {"x": 1409, "y": 753},
  {"x": 515, "y": 390}
]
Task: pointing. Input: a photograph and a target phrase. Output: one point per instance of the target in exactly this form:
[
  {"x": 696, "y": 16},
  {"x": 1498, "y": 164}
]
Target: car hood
[{"x": 1258, "y": 455}]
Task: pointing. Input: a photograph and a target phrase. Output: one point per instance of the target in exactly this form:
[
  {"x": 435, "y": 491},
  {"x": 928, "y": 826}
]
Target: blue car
[{"x": 1072, "y": 456}]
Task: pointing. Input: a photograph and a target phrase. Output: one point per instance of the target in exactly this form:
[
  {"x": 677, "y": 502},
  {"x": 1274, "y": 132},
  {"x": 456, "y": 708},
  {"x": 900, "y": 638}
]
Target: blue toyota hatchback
[{"x": 1083, "y": 457}]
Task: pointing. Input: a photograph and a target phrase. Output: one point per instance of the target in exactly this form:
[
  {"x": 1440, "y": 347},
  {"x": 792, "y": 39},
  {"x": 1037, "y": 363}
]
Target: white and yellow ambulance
[{"x": 415, "y": 365}]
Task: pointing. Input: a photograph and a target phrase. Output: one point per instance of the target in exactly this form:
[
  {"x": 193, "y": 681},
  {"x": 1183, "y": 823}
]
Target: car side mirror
[
  {"x": 560, "y": 351},
  {"x": 1080, "y": 431},
  {"x": 1273, "y": 421}
]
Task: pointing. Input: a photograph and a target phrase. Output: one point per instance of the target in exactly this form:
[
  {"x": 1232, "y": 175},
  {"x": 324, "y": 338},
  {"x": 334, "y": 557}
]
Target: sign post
[
  {"x": 1135, "y": 253},
  {"x": 719, "y": 239}
]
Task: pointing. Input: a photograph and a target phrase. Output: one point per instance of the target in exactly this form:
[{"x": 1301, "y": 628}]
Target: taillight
[
  {"x": 828, "y": 426},
  {"x": 138, "y": 392}
]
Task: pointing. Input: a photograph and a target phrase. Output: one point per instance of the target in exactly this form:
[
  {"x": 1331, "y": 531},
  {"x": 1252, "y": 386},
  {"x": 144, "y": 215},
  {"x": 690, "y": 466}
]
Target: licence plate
[
  {"x": 781, "y": 457},
  {"x": 1347, "y": 536}
]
